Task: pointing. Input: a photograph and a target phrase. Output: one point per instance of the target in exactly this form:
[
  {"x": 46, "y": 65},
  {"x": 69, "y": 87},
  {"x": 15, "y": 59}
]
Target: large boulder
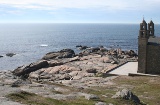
[
  {"x": 91, "y": 70},
  {"x": 85, "y": 53},
  {"x": 91, "y": 97},
  {"x": 23, "y": 70},
  {"x": 105, "y": 59},
  {"x": 127, "y": 95},
  {"x": 1, "y": 56},
  {"x": 79, "y": 46},
  {"x": 83, "y": 47},
  {"x": 95, "y": 49},
  {"x": 132, "y": 53},
  {"x": 65, "y": 53}
]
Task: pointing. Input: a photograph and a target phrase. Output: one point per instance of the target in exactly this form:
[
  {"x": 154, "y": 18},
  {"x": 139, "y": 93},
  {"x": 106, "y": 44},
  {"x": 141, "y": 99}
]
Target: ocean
[{"x": 30, "y": 42}]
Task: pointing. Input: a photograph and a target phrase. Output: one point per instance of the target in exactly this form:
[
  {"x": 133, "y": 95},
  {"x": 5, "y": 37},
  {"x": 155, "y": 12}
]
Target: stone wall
[
  {"x": 153, "y": 59},
  {"x": 142, "y": 55}
]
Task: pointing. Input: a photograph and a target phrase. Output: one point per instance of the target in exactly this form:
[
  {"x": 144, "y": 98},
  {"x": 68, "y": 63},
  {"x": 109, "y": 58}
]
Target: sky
[{"x": 79, "y": 11}]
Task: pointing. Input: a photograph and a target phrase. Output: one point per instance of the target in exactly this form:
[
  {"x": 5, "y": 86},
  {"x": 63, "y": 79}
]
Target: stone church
[{"x": 148, "y": 49}]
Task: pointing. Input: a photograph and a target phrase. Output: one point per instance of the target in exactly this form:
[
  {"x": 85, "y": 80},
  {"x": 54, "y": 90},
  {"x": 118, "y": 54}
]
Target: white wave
[{"x": 43, "y": 45}]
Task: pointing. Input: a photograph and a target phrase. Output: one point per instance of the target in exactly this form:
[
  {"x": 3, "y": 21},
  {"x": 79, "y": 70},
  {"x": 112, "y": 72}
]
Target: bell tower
[
  {"x": 142, "y": 47},
  {"x": 151, "y": 28}
]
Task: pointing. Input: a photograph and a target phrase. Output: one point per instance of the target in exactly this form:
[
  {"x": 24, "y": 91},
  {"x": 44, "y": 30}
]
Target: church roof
[{"x": 154, "y": 40}]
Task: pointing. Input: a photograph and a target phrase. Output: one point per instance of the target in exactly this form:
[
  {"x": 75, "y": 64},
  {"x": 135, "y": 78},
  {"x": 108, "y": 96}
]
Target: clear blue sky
[{"x": 79, "y": 11}]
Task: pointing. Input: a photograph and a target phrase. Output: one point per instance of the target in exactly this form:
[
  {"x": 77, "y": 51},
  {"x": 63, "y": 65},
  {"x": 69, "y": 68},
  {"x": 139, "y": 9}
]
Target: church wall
[
  {"x": 153, "y": 59},
  {"x": 142, "y": 54}
]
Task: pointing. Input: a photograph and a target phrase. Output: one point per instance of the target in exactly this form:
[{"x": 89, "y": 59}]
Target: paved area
[{"x": 130, "y": 67}]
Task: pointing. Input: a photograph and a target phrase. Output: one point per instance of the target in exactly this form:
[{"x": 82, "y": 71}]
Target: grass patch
[
  {"x": 99, "y": 91},
  {"x": 33, "y": 99},
  {"x": 81, "y": 101},
  {"x": 146, "y": 88},
  {"x": 105, "y": 94},
  {"x": 104, "y": 75}
]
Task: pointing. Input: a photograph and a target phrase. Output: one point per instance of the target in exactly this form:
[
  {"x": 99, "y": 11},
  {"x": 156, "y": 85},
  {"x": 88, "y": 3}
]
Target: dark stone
[
  {"x": 20, "y": 82},
  {"x": 51, "y": 55},
  {"x": 79, "y": 46},
  {"x": 83, "y": 47},
  {"x": 67, "y": 50},
  {"x": 65, "y": 53},
  {"x": 95, "y": 49},
  {"x": 123, "y": 52},
  {"x": 101, "y": 46},
  {"x": 17, "y": 83},
  {"x": 132, "y": 53},
  {"x": 85, "y": 52},
  {"x": 23, "y": 70},
  {"x": 103, "y": 49},
  {"x": 10, "y": 54},
  {"x": 114, "y": 53},
  {"x": 91, "y": 71},
  {"x": 1, "y": 56}
]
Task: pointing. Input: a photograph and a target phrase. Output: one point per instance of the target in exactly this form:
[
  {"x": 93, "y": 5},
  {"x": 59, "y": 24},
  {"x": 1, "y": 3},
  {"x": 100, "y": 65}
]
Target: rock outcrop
[
  {"x": 82, "y": 47},
  {"x": 66, "y": 65},
  {"x": 23, "y": 70},
  {"x": 65, "y": 53}
]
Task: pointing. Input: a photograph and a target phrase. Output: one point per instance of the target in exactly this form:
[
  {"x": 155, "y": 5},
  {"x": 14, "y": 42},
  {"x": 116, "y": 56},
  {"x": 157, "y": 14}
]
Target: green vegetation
[
  {"x": 146, "y": 88},
  {"x": 33, "y": 99}
]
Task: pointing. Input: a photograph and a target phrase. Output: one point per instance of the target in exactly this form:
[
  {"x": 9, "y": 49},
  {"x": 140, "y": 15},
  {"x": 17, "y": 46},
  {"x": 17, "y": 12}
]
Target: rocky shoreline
[
  {"x": 66, "y": 65},
  {"x": 81, "y": 71}
]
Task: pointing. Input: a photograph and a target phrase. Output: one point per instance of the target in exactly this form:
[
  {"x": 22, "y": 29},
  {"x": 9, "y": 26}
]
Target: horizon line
[
  {"x": 63, "y": 23},
  {"x": 71, "y": 23}
]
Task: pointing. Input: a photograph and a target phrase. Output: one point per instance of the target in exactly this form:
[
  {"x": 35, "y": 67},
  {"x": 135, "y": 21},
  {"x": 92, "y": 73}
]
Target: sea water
[{"x": 31, "y": 42}]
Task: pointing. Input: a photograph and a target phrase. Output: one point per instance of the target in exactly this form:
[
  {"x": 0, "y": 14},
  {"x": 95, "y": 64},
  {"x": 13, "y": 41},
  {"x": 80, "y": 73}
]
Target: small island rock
[{"x": 10, "y": 54}]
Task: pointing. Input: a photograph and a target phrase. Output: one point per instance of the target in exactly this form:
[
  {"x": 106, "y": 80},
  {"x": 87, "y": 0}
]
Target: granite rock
[
  {"x": 65, "y": 53},
  {"x": 23, "y": 70}
]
